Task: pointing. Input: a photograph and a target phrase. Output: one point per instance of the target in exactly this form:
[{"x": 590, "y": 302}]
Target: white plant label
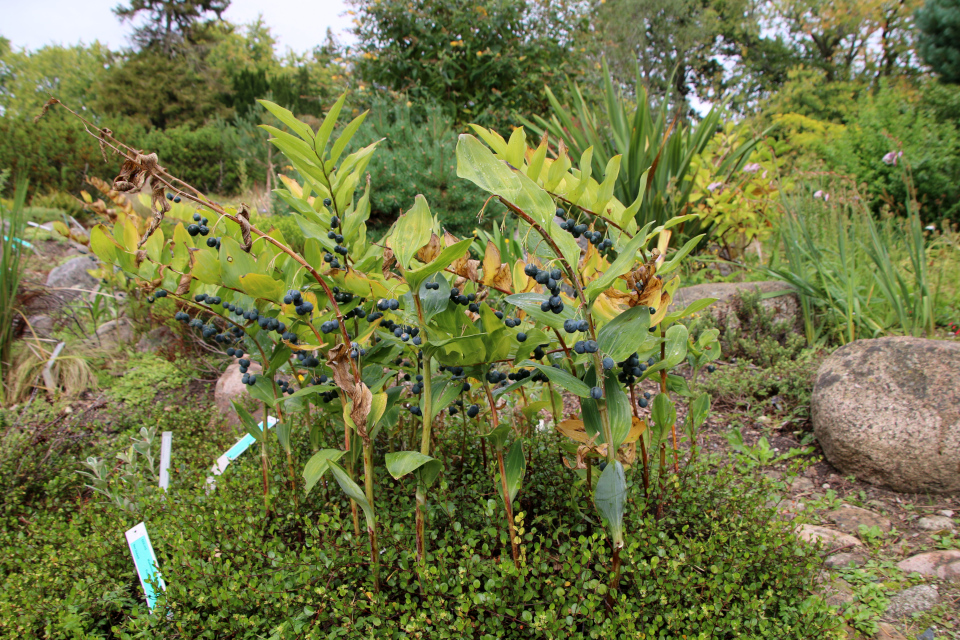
[
  {"x": 166, "y": 440},
  {"x": 145, "y": 561}
]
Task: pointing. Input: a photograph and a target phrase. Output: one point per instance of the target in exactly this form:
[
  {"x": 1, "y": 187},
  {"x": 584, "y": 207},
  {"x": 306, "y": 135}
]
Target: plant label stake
[
  {"x": 233, "y": 453},
  {"x": 166, "y": 440},
  {"x": 145, "y": 561}
]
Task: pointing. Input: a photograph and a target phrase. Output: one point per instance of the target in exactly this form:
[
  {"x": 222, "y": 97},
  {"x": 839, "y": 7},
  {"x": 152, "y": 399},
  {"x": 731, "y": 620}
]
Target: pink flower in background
[
  {"x": 821, "y": 194},
  {"x": 713, "y": 186},
  {"x": 891, "y": 158},
  {"x": 753, "y": 167}
]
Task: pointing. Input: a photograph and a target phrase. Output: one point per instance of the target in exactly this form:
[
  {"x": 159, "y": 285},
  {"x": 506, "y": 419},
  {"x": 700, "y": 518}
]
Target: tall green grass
[
  {"x": 858, "y": 276},
  {"x": 11, "y": 265}
]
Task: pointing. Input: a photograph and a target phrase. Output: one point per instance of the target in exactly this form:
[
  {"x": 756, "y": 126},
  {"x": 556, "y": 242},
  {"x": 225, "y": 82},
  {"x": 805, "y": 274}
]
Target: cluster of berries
[
  {"x": 467, "y": 300},
  {"x": 632, "y": 369},
  {"x": 457, "y": 373},
  {"x": 573, "y": 326},
  {"x": 432, "y": 286},
  {"x": 644, "y": 400},
  {"x": 586, "y": 346},
  {"x": 213, "y": 243},
  {"x": 404, "y": 332},
  {"x": 303, "y": 307},
  {"x": 415, "y": 410},
  {"x": 388, "y": 304},
  {"x": 308, "y": 361},
  {"x": 174, "y": 198},
  {"x": 159, "y": 293},
  {"x": 495, "y": 377},
  {"x": 356, "y": 351},
  {"x": 200, "y": 228},
  {"x": 285, "y": 387},
  {"x": 519, "y": 374},
  {"x": 577, "y": 230},
  {"x": 417, "y": 388},
  {"x": 472, "y": 411},
  {"x": 248, "y": 379},
  {"x": 210, "y": 300},
  {"x": 271, "y": 324},
  {"x": 343, "y": 297},
  {"x": 551, "y": 280}
]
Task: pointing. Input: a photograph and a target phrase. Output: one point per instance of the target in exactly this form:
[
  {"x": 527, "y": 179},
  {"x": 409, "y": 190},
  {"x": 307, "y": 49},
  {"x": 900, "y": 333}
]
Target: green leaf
[
  {"x": 442, "y": 397},
  {"x": 562, "y": 378},
  {"x": 378, "y": 406},
  {"x": 664, "y": 415},
  {"x": 286, "y": 117},
  {"x": 283, "y": 430},
  {"x": 329, "y": 122},
  {"x": 434, "y": 301},
  {"x": 678, "y": 257},
  {"x": 318, "y": 465},
  {"x": 281, "y": 354},
  {"x": 234, "y": 262},
  {"x": 516, "y": 148},
  {"x": 627, "y": 256},
  {"x": 689, "y": 310},
  {"x": 248, "y": 421},
  {"x": 105, "y": 247},
  {"x": 610, "y": 497},
  {"x": 626, "y": 333},
  {"x": 530, "y": 302},
  {"x": 697, "y": 414},
  {"x": 206, "y": 266},
  {"x": 675, "y": 351},
  {"x": 515, "y": 465},
  {"x": 678, "y": 384},
  {"x": 499, "y": 435},
  {"x": 351, "y": 488},
  {"x": 258, "y": 285},
  {"x": 445, "y": 258},
  {"x": 618, "y": 410},
  {"x": 411, "y": 232},
  {"x": 403, "y": 462},
  {"x": 345, "y": 137}
]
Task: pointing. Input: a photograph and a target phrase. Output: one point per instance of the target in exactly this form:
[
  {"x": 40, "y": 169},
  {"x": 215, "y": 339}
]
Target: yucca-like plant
[
  {"x": 11, "y": 266},
  {"x": 656, "y": 147}
]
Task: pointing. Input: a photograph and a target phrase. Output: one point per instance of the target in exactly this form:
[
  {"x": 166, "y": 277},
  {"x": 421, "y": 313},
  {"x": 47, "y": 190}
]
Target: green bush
[
  {"x": 203, "y": 157},
  {"x": 55, "y": 154},
  {"x": 896, "y": 119},
  {"x": 769, "y": 369},
  {"x": 233, "y": 571},
  {"x": 417, "y": 156}
]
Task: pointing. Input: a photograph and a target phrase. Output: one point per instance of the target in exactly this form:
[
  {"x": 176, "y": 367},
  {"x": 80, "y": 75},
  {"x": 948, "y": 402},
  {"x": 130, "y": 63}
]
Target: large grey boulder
[
  {"x": 230, "y": 387},
  {"x": 112, "y": 334},
  {"x": 72, "y": 274},
  {"x": 888, "y": 411},
  {"x": 158, "y": 340},
  {"x": 785, "y": 306}
]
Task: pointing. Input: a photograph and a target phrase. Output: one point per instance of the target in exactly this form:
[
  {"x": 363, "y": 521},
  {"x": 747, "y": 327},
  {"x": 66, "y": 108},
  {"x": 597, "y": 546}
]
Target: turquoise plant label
[
  {"x": 146, "y": 562},
  {"x": 234, "y": 452}
]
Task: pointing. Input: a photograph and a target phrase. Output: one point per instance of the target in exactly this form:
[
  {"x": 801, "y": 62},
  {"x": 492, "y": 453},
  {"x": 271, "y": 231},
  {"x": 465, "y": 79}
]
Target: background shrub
[{"x": 417, "y": 156}]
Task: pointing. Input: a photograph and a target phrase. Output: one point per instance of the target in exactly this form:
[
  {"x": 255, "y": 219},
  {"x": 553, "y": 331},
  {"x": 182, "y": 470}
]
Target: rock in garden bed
[
  {"x": 230, "y": 387},
  {"x": 72, "y": 274},
  {"x": 888, "y": 412},
  {"x": 913, "y": 600},
  {"x": 944, "y": 565}
]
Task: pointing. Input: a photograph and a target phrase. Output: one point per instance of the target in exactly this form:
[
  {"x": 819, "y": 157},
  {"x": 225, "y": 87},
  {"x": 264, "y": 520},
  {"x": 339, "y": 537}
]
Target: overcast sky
[{"x": 297, "y": 24}]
